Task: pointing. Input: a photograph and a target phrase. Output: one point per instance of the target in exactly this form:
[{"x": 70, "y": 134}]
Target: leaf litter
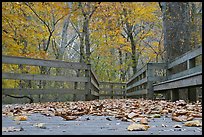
[{"x": 130, "y": 110}]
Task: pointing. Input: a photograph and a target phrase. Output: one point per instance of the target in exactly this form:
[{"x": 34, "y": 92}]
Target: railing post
[
  {"x": 111, "y": 87},
  {"x": 149, "y": 72},
  {"x": 88, "y": 95}
]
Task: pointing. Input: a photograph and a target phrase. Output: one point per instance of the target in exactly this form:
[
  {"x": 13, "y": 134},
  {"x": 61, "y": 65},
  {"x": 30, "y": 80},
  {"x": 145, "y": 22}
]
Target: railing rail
[
  {"x": 152, "y": 74},
  {"x": 90, "y": 89},
  {"x": 112, "y": 89}
]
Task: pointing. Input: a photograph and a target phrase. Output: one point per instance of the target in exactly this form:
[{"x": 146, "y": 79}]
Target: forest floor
[{"x": 103, "y": 117}]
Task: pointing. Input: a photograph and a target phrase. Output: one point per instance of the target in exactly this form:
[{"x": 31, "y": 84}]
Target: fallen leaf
[
  {"x": 195, "y": 123},
  {"x": 190, "y": 118},
  {"x": 11, "y": 129},
  {"x": 155, "y": 116},
  {"x": 132, "y": 114},
  {"x": 177, "y": 119},
  {"x": 197, "y": 115},
  {"x": 177, "y": 126},
  {"x": 137, "y": 127},
  {"x": 108, "y": 119},
  {"x": 69, "y": 117},
  {"x": 144, "y": 121},
  {"x": 20, "y": 118},
  {"x": 40, "y": 125}
]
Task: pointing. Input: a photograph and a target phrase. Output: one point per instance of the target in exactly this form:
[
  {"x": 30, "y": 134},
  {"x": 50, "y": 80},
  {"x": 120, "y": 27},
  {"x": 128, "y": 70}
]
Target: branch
[
  {"x": 160, "y": 6},
  {"x": 31, "y": 99},
  {"x": 77, "y": 31},
  {"x": 83, "y": 12},
  {"x": 94, "y": 10},
  {"x": 72, "y": 40},
  {"x": 38, "y": 17}
]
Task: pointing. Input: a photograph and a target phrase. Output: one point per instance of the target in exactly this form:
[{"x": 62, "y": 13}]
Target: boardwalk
[{"x": 94, "y": 125}]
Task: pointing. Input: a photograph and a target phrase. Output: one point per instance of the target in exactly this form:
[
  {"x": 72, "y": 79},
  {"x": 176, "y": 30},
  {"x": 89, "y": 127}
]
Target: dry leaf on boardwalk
[
  {"x": 69, "y": 117},
  {"x": 40, "y": 125},
  {"x": 144, "y": 121},
  {"x": 20, "y": 118},
  {"x": 195, "y": 123},
  {"x": 137, "y": 127},
  {"x": 11, "y": 129},
  {"x": 177, "y": 119}
]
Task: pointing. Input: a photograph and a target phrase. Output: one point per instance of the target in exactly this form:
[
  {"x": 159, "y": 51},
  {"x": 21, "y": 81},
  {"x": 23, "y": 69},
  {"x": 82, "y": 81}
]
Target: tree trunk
[{"x": 176, "y": 19}]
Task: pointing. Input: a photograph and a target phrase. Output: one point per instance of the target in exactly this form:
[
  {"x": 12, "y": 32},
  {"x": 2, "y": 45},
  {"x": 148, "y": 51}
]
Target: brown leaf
[
  {"x": 20, "y": 118},
  {"x": 195, "y": 123},
  {"x": 190, "y": 118},
  {"x": 197, "y": 115},
  {"x": 40, "y": 125},
  {"x": 69, "y": 117},
  {"x": 144, "y": 121},
  {"x": 137, "y": 127},
  {"x": 181, "y": 112},
  {"x": 164, "y": 111},
  {"x": 177, "y": 126},
  {"x": 132, "y": 114},
  {"x": 11, "y": 129},
  {"x": 177, "y": 119}
]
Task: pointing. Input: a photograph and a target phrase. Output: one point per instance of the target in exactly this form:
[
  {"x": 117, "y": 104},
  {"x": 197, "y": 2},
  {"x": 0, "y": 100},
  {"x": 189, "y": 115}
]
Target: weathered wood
[
  {"x": 186, "y": 72},
  {"x": 41, "y": 91},
  {"x": 116, "y": 94},
  {"x": 140, "y": 71},
  {"x": 181, "y": 82},
  {"x": 88, "y": 95},
  {"x": 157, "y": 65},
  {"x": 142, "y": 81},
  {"x": 157, "y": 78},
  {"x": 113, "y": 83},
  {"x": 93, "y": 75},
  {"x": 114, "y": 89},
  {"x": 137, "y": 92},
  {"x": 94, "y": 93},
  {"x": 117, "y": 87},
  {"x": 43, "y": 77},
  {"x": 187, "y": 56},
  {"x": 41, "y": 62},
  {"x": 94, "y": 84}
]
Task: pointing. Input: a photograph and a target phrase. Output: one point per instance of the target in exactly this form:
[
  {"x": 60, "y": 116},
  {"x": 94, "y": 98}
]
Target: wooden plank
[
  {"x": 41, "y": 62},
  {"x": 94, "y": 93},
  {"x": 93, "y": 75},
  {"x": 176, "y": 79},
  {"x": 88, "y": 84},
  {"x": 142, "y": 81},
  {"x": 186, "y": 72},
  {"x": 43, "y": 77},
  {"x": 157, "y": 78},
  {"x": 41, "y": 91},
  {"x": 193, "y": 80},
  {"x": 137, "y": 92},
  {"x": 140, "y": 71},
  {"x": 112, "y": 83},
  {"x": 185, "y": 57},
  {"x": 94, "y": 88},
  {"x": 111, "y": 94},
  {"x": 94, "y": 84},
  {"x": 154, "y": 65},
  {"x": 114, "y": 89}
]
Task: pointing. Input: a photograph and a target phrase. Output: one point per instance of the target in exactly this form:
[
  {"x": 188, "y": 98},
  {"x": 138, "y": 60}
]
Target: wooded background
[{"x": 116, "y": 38}]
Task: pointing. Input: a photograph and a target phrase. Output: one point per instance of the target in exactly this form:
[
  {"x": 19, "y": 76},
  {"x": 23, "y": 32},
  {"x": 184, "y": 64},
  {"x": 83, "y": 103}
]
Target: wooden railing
[
  {"x": 112, "y": 90},
  {"x": 191, "y": 69},
  {"x": 89, "y": 89},
  {"x": 183, "y": 72},
  {"x": 140, "y": 85},
  {"x": 154, "y": 77}
]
